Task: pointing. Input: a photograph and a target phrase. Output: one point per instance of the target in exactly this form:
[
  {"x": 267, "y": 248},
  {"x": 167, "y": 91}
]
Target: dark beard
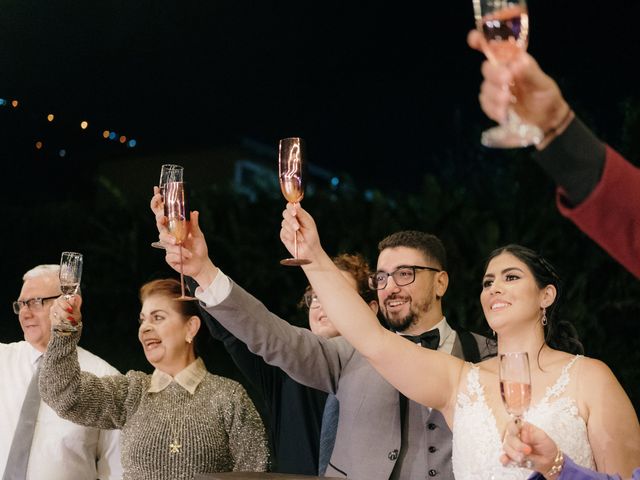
[{"x": 402, "y": 324}]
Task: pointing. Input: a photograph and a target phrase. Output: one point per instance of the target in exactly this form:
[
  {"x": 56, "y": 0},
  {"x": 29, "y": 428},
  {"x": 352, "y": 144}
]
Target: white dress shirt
[{"x": 61, "y": 450}]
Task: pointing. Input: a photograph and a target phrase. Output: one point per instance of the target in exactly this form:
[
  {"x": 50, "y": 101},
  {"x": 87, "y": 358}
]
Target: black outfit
[{"x": 294, "y": 411}]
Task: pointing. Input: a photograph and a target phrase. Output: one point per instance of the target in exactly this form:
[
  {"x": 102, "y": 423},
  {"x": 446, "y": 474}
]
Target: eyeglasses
[
  {"x": 402, "y": 276},
  {"x": 311, "y": 300},
  {"x": 34, "y": 304}
]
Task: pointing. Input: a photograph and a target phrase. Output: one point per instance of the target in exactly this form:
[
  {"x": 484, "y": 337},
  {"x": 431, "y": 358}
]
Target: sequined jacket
[{"x": 169, "y": 434}]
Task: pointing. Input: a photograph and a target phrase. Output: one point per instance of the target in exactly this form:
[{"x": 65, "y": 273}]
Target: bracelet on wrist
[
  {"x": 557, "y": 129},
  {"x": 556, "y": 466}
]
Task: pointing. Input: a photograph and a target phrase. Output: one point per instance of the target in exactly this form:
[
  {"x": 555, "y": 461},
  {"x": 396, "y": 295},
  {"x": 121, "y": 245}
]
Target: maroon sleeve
[{"x": 610, "y": 215}]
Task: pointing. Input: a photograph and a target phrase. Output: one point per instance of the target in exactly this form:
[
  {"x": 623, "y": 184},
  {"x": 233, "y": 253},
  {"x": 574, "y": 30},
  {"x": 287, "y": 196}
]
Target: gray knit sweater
[{"x": 168, "y": 435}]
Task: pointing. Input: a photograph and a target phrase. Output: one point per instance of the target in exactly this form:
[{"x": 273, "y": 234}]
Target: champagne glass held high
[
  {"x": 290, "y": 158},
  {"x": 175, "y": 209},
  {"x": 168, "y": 173},
  {"x": 70, "y": 276},
  {"x": 515, "y": 386},
  {"x": 505, "y": 27}
]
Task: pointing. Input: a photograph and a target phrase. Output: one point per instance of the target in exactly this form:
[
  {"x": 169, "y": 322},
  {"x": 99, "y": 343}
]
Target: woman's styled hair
[
  {"x": 169, "y": 288},
  {"x": 558, "y": 334}
]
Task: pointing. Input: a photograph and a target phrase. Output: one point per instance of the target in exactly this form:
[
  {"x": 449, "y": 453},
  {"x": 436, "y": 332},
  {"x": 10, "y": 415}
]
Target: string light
[{"x": 84, "y": 125}]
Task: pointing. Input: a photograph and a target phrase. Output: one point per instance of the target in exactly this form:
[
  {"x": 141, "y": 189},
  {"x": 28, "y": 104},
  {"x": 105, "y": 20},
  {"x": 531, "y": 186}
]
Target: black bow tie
[{"x": 430, "y": 339}]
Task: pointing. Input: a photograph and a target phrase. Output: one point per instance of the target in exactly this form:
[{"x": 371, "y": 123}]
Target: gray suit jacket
[{"x": 368, "y": 439}]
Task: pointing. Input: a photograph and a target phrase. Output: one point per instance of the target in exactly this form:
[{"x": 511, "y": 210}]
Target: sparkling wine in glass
[
  {"x": 505, "y": 27},
  {"x": 70, "y": 276},
  {"x": 168, "y": 173},
  {"x": 515, "y": 386},
  {"x": 175, "y": 209},
  {"x": 290, "y": 162}
]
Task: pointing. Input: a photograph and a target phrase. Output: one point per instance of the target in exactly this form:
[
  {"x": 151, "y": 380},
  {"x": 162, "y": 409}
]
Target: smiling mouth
[
  {"x": 499, "y": 305},
  {"x": 395, "y": 304},
  {"x": 150, "y": 344}
]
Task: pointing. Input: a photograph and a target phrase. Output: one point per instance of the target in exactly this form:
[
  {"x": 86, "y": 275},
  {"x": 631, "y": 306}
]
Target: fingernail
[
  {"x": 69, "y": 310},
  {"x": 72, "y": 320}
]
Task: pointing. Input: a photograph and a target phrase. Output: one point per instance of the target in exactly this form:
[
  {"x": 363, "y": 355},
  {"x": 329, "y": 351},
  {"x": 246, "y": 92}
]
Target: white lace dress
[{"x": 477, "y": 444}]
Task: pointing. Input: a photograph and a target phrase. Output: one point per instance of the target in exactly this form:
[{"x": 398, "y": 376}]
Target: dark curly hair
[{"x": 357, "y": 266}]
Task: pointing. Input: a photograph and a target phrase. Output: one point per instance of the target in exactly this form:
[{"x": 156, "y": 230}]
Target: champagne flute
[
  {"x": 505, "y": 27},
  {"x": 515, "y": 386},
  {"x": 168, "y": 173},
  {"x": 290, "y": 155},
  {"x": 70, "y": 276},
  {"x": 175, "y": 209}
]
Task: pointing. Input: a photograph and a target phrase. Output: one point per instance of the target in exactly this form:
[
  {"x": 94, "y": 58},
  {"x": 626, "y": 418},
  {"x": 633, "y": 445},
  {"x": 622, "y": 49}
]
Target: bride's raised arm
[{"x": 425, "y": 376}]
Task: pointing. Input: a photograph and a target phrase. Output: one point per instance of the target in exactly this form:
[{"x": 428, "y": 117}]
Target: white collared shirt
[
  {"x": 447, "y": 336},
  {"x": 59, "y": 447},
  {"x": 216, "y": 292},
  {"x": 189, "y": 378}
]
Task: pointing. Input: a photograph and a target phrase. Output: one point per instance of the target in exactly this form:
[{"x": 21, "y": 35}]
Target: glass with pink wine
[
  {"x": 168, "y": 173},
  {"x": 505, "y": 27},
  {"x": 176, "y": 211},
  {"x": 515, "y": 386},
  {"x": 290, "y": 163}
]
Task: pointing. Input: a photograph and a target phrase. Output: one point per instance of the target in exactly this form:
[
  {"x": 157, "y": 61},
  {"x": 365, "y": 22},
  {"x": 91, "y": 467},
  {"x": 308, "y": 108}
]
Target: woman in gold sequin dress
[{"x": 177, "y": 422}]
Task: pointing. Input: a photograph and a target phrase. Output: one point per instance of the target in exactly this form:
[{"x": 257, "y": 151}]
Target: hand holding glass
[
  {"x": 70, "y": 276},
  {"x": 168, "y": 173},
  {"x": 505, "y": 27},
  {"x": 290, "y": 163},
  {"x": 515, "y": 386}
]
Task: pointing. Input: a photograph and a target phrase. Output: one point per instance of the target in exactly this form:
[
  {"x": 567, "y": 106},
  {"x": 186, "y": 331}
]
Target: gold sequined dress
[{"x": 172, "y": 428}]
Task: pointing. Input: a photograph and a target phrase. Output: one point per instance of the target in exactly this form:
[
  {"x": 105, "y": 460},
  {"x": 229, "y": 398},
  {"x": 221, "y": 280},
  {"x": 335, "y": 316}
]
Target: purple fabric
[{"x": 571, "y": 471}]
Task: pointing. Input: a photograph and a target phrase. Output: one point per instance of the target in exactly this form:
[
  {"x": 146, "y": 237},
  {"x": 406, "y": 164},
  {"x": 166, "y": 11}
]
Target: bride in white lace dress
[{"x": 576, "y": 399}]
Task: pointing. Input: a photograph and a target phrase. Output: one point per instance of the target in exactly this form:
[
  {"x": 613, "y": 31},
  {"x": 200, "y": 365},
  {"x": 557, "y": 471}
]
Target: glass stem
[
  {"x": 181, "y": 274},
  {"x": 295, "y": 244},
  {"x": 512, "y": 120}
]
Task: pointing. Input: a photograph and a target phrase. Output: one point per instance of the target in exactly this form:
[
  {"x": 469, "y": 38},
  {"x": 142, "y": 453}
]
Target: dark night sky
[{"x": 377, "y": 88}]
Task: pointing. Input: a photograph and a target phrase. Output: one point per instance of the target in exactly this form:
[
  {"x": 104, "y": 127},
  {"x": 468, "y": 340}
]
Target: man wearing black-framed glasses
[
  {"x": 411, "y": 280},
  {"x": 34, "y": 442}
]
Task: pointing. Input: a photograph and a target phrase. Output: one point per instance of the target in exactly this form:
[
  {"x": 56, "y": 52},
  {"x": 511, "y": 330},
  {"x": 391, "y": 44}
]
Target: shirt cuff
[{"x": 216, "y": 292}]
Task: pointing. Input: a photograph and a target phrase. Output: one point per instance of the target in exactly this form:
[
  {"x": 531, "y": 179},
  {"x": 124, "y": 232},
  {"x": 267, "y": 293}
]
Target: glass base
[
  {"x": 512, "y": 136},
  {"x": 294, "y": 262},
  {"x": 185, "y": 298},
  {"x": 158, "y": 245}
]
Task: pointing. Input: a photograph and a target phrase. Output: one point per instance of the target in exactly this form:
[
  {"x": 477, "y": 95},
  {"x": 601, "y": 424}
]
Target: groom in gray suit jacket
[{"x": 381, "y": 434}]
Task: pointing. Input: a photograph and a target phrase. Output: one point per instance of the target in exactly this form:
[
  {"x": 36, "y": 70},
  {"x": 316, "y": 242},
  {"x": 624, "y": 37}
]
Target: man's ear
[
  {"x": 441, "y": 283},
  {"x": 374, "y": 306}
]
